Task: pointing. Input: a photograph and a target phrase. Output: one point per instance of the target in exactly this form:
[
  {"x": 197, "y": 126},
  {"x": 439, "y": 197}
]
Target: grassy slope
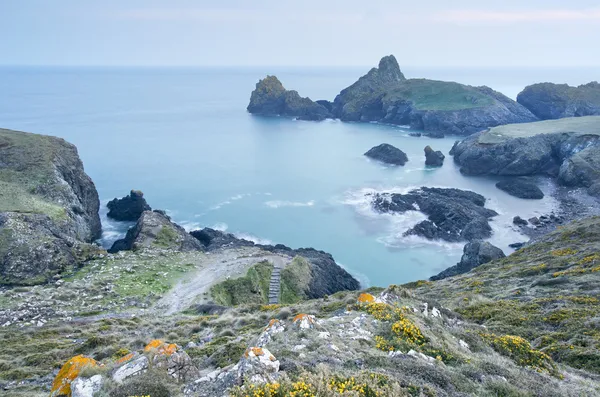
[
  {"x": 251, "y": 288},
  {"x": 576, "y": 125},
  {"x": 34, "y": 155},
  {"x": 547, "y": 293},
  {"x": 439, "y": 95}
]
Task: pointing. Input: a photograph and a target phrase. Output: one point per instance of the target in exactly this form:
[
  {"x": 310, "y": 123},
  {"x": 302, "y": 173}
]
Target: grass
[
  {"x": 294, "y": 281},
  {"x": 251, "y": 288}
]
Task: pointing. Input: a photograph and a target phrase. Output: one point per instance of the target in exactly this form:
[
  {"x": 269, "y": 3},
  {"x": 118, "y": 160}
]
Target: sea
[{"x": 183, "y": 137}]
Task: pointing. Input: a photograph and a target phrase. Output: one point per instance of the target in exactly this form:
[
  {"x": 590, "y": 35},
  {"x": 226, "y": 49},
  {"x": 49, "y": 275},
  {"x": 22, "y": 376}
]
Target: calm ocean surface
[{"x": 184, "y": 138}]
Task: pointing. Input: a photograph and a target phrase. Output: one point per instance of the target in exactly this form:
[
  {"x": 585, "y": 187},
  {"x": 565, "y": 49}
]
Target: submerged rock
[
  {"x": 128, "y": 208},
  {"x": 48, "y": 208},
  {"x": 474, "y": 254},
  {"x": 270, "y": 98},
  {"x": 517, "y": 220},
  {"x": 388, "y": 154},
  {"x": 521, "y": 188},
  {"x": 433, "y": 158},
  {"x": 453, "y": 215},
  {"x": 155, "y": 229},
  {"x": 555, "y": 101}
]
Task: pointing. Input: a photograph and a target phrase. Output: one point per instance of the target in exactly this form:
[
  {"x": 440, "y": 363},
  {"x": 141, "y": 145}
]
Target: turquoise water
[{"x": 184, "y": 138}]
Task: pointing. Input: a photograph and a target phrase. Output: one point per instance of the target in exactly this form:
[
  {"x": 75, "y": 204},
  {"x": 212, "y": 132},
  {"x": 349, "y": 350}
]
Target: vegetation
[
  {"x": 251, "y": 288},
  {"x": 294, "y": 281}
]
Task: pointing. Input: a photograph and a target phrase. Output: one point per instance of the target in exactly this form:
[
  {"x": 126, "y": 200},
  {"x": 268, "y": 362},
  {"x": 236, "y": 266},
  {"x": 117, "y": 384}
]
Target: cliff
[
  {"x": 556, "y": 101},
  {"x": 48, "y": 208}
]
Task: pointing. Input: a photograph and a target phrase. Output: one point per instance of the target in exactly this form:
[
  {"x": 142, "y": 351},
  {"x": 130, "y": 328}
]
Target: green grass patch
[{"x": 253, "y": 288}]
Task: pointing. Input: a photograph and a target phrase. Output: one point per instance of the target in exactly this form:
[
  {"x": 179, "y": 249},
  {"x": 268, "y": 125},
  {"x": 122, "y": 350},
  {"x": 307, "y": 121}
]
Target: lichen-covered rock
[
  {"x": 387, "y": 153},
  {"x": 155, "y": 229},
  {"x": 521, "y": 188},
  {"x": 433, "y": 158},
  {"x": 258, "y": 365},
  {"x": 274, "y": 327},
  {"x": 365, "y": 298},
  {"x": 475, "y": 254},
  {"x": 130, "y": 368},
  {"x": 270, "y": 98},
  {"x": 555, "y": 101},
  {"x": 68, "y": 373},
  {"x": 128, "y": 208},
  {"x": 304, "y": 321},
  {"x": 453, "y": 215},
  {"x": 48, "y": 208},
  {"x": 86, "y": 387},
  {"x": 172, "y": 358}
]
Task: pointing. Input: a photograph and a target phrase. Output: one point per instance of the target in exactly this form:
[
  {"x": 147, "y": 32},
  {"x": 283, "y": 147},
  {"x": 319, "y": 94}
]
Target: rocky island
[
  {"x": 385, "y": 95},
  {"x": 556, "y": 101},
  {"x": 388, "y": 154}
]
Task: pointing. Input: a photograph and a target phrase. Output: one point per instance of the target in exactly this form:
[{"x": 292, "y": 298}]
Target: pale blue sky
[{"x": 437, "y": 33}]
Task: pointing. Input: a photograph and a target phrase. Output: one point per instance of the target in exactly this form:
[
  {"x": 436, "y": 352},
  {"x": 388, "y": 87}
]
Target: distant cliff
[
  {"x": 555, "y": 101},
  {"x": 48, "y": 208}
]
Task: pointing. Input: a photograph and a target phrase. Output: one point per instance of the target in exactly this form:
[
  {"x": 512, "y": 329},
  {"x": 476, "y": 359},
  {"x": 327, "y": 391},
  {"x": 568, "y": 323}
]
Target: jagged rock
[
  {"x": 86, "y": 387},
  {"x": 388, "y": 154},
  {"x": 454, "y": 215},
  {"x": 521, "y": 188},
  {"x": 565, "y": 148},
  {"x": 555, "y": 101},
  {"x": 304, "y": 321},
  {"x": 154, "y": 229},
  {"x": 270, "y": 98},
  {"x": 327, "y": 277},
  {"x": 474, "y": 254},
  {"x": 517, "y": 220},
  {"x": 258, "y": 365},
  {"x": 385, "y": 95},
  {"x": 48, "y": 209},
  {"x": 174, "y": 359},
  {"x": 433, "y": 158},
  {"x": 68, "y": 373},
  {"x": 128, "y": 208}
]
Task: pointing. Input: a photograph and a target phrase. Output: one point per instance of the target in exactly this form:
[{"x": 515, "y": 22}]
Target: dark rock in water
[
  {"x": 326, "y": 104},
  {"x": 535, "y": 221},
  {"x": 517, "y": 220},
  {"x": 155, "y": 230},
  {"x": 568, "y": 149},
  {"x": 270, "y": 98},
  {"x": 474, "y": 254},
  {"x": 48, "y": 209},
  {"x": 128, "y": 208},
  {"x": 453, "y": 215},
  {"x": 594, "y": 190},
  {"x": 387, "y": 154},
  {"x": 521, "y": 189},
  {"x": 555, "y": 101},
  {"x": 517, "y": 246},
  {"x": 415, "y": 134},
  {"x": 439, "y": 107},
  {"x": 433, "y": 158},
  {"x": 327, "y": 277}
]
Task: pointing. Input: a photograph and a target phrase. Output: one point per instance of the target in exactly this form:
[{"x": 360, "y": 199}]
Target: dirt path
[{"x": 219, "y": 266}]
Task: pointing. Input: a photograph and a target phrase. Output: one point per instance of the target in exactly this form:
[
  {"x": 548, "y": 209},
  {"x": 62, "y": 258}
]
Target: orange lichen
[
  {"x": 303, "y": 316},
  {"x": 161, "y": 347},
  {"x": 62, "y": 383},
  {"x": 272, "y": 323},
  {"x": 125, "y": 358},
  {"x": 366, "y": 298}
]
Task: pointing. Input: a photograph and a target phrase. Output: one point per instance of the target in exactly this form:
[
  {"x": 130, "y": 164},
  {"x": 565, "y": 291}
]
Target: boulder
[
  {"x": 555, "y": 101},
  {"x": 48, "y": 209},
  {"x": 270, "y": 98},
  {"x": 304, "y": 321},
  {"x": 453, "y": 215},
  {"x": 521, "y": 188},
  {"x": 433, "y": 158},
  {"x": 128, "y": 208},
  {"x": 154, "y": 229},
  {"x": 475, "y": 254},
  {"x": 130, "y": 368},
  {"x": 517, "y": 220},
  {"x": 387, "y": 154},
  {"x": 68, "y": 373},
  {"x": 258, "y": 365},
  {"x": 385, "y": 95},
  {"x": 86, "y": 387}
]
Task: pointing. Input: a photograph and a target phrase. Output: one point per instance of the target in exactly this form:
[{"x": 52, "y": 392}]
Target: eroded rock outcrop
[
  {"x": 453, "y": 215},
  {"x": 555, "y": 101},
  {"x": 388, "y": 154},
  {"x": 521, "y": 188},
  {"x": 475, "y": 254},
  {"x": 48, "y": 208},
  {"x": 270, "y": 98},
  {"x": 154, "y": 229},
  {"x": 433, "y": 158},
  {"x": 128, "y": 208}
]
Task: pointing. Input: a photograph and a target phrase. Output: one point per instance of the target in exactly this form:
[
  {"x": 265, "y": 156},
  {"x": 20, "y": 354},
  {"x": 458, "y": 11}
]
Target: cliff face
[
  {"x": 48, "y": 208},
  {"x": 555, "y": 101}
]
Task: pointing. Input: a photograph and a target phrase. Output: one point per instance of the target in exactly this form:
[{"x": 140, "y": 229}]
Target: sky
[{"x": 434, "y": 33}]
